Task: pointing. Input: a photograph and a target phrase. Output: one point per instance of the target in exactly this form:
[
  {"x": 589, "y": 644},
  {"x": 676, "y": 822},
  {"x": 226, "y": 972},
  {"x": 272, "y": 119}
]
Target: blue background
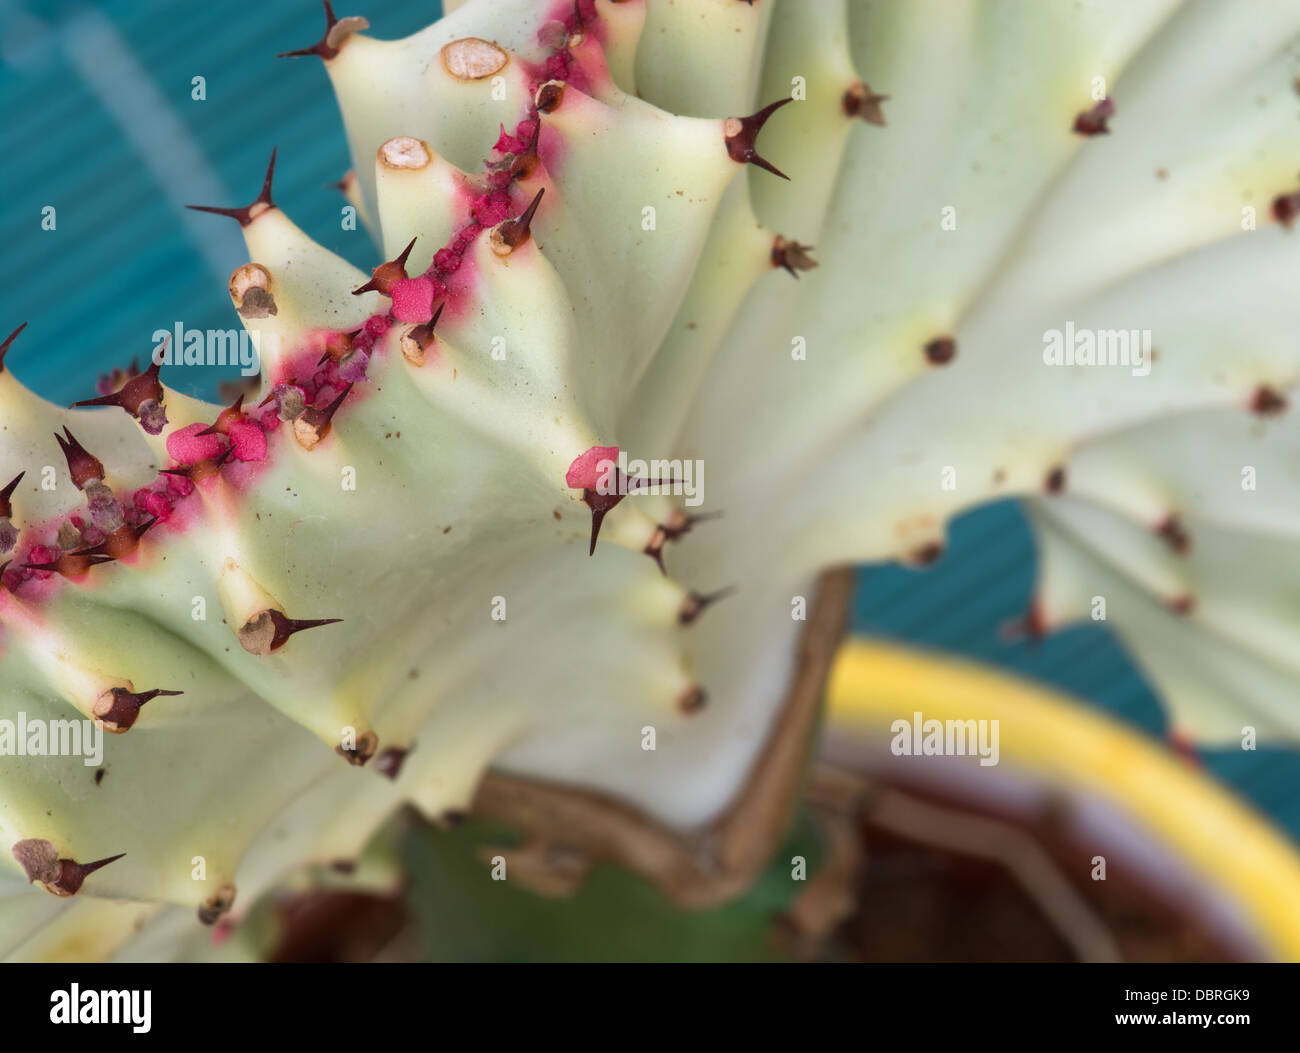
[{"x": 99, "y": 122}]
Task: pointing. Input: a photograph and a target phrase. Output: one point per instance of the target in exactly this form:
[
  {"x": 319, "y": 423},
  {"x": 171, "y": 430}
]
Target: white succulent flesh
[{"x": 673, "y": 340}]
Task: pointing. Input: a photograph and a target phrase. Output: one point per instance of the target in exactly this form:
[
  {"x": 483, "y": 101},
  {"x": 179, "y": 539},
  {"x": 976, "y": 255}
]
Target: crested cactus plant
[{"x": 678, "y": 298}]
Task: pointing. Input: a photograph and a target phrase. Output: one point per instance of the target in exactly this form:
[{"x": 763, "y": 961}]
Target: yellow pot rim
[{"x": 1063, "y": 741}]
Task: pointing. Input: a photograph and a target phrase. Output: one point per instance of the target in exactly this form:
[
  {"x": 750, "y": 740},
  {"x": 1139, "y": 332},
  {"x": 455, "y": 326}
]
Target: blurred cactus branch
[{"x": 567, "y": 831}]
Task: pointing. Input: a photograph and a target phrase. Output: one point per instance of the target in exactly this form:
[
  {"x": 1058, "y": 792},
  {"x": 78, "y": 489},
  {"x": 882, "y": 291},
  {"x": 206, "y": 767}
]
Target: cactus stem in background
[
  {"x": 635, "y": 314},
  {"x": 118, "y": 708},
  {"x": 4, "y": 348},
  {"x": 337, "y": 31},
  {"x": 250, "y": 212},
  {"x": 742, "y": 135}
]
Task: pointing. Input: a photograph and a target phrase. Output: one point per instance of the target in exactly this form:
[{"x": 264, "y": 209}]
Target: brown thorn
[
  {"x": 1171, "y": 530},
  {"x": 927, "y": 554},
  {"x": 141, "y": 388},
  {"x": 389, "y": 763},
  {"x": 674, "y": 531},
  {"x": 692, "y": 699},
  {"x": 414, "y": 342},
  {"x": 72, "y": 875},
  {"x": 695, "y": 603},
  {"x": 367, "y": 743},
  {"x": 1267, "y": 401},
  {"x": 602, "y": 503},
  {"x": 119, "y": 708},
  {"x": 84, "y": 467},
  {"x": 1285, "y": 209},
  {"x": 4, "y": 348},
  {"x": 286, "y": 627},
  {"x": 941, "y": 350},
  {"x": 388, "y": 274},
  {"x": 549, "y": 96},
  {"x": 1093, "y": 122},
  {"x": 122, "y": 541},
  {"x": 234, "y": 410},
  {"x": 332, "y": 40},
  {"x": 406, "y": 252},
  {"x": 248, "y": 213},
  {"x": 656, "y": 553},
  {"x": 597, "y": 514},
  {"x": 525, "y": 163},
  {"x": 1055, "y": 481},
  {"x": 511, "y": 233},
  {"x": 312, "y": 424},
  {"x": 6, "y": 505},
  {"x": 216, "y": 906},
  {"x": 71, "y": 564},
  {"x": 791, "y": 256},
  {"x": 860, "y": 101},
  {"x": 742, "y": 134}
]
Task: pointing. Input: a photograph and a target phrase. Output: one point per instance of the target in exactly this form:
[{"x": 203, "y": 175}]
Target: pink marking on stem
[{"x": 587, "y": 468}]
